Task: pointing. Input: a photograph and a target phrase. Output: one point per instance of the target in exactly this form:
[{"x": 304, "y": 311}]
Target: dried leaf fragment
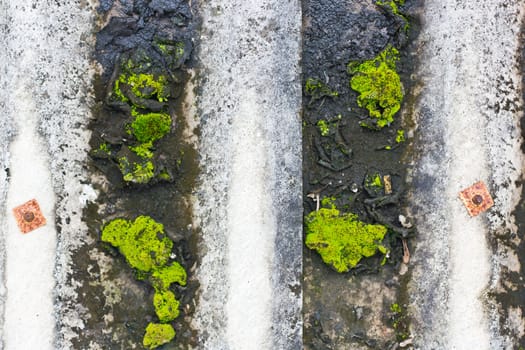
[{"x": 387, "y": 180}]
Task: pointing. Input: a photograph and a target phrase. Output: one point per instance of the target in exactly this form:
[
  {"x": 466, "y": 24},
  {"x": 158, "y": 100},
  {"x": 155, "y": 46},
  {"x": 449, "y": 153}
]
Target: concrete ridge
[
  {"x": 45, "y": 93},
  {"x": 250, "y": 148},
  {"x": 465, "y": 55}
]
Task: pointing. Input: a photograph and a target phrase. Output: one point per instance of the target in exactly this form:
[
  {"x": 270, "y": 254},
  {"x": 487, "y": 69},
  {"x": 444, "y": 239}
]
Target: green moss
[
  {"x": 323, "y": 126},
  {"x": 329, "y": 126},
  {"x": 328, "y": 202},
  {"x": 316, "y": 89},
  {"x": 149, "y": 127},
  {"x": 165, "y": 175},
  {"x": 148, "y": 86},
  {"x": 173, "y": 53},
  {"x": 118, "y": 93},
  {"x": 395, "y": 308},
  {"x": 341, "y": 239},
  {"x": 400, "y": 136},
  {"x": 166, "y": 306},
  {"x": 142, "y": 85},
  {"x": 140, "y": 172},
  {"x": 136, "y": 166},
  {"x": 400, "y": 322},
  {"x": 163, "y": 278},
  {"x": 393, "y": 6},
  {"x": 379, "y": 86},
  {"x": 373, "y": 181},
  {"x": 104, "y": 147},
  {"x": 175, "y": 50},
  {"x": 157, "y": 335},
  {"x": 143, "y": 150},
  {"x": 102, "y": 151},
  {"x": 147, "y": 249},
  {"x": 142, "y": 242},
  {"x": 373, "y": 184},
  {"x": 138, "y": 62}
]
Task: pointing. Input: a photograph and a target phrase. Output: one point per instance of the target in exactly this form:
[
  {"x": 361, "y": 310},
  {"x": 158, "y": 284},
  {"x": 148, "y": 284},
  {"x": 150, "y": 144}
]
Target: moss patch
[
  {"x": 341, "y": 239},
  {"x": 379, "y": 86},
  {"x": 140, "y": 173},
  {"x": 143, "y": 150},
  {"x": 323, "y": 126},
  {"x": 142, "y": 242},
  {"x": 393, "y": 7},
  {"x": 157, "y": 335},
  {"x": 164, "y": 277},
  {"x": 144, "y": 91},
  {"x": 137, "y": 169},
  {"x": 317, "y": 89},
  {"x": 173, "y": 52},
  {"x": 400, "y": 136},
  {"x": 150, "y": 127},
  {"x": 166, "y": 306},
  {"x": 400, "y": 321},
  {"x": 147, "y": 249},
  {"x": 147, "y": 86}
]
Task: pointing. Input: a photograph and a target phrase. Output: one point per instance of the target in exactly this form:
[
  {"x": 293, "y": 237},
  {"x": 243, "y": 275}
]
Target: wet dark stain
[
  {"x": 121, "y": 325},
  {"x": 336, "y": 32}
]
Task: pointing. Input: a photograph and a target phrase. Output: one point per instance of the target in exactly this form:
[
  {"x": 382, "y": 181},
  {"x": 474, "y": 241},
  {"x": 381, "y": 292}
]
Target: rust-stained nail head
[
  {"x": 29, "y": 216},
  {"x": 477, "y": 199}
]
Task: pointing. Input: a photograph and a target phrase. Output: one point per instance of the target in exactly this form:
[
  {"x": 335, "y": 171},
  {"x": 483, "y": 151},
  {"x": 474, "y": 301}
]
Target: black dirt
[
  {"x": 336, "y": 314},
  {"x": 117, "y": 319}
]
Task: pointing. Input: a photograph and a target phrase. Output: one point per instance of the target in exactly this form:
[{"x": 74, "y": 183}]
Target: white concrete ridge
[
  {"x": 249, "y": 205},
  {"x": 251, "y": 232},
  {"x": 29, "y": 321},
  {"x": 30, "y": 258},
  {"x": 465, "y": 135},
  {"x": 44, "y": 51}
]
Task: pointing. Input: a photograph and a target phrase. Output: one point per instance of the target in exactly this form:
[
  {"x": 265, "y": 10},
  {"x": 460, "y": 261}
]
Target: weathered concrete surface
[
  {"x": 467, "y": 130},
  {"x": 249, "y": 198},
  {"x": 44, "y": 96}
]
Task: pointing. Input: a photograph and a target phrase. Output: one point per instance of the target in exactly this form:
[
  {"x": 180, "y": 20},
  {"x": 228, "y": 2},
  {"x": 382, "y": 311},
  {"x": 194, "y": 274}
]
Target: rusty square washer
[
  {"x": 28, "y": 216},
  {"x": 476, "y": 198}
]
